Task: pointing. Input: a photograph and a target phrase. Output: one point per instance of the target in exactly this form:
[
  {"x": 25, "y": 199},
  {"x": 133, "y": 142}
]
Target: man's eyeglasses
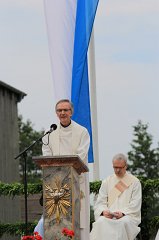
[
  {"x": 115, "y": 168},
  {"x": 63, "y": 110}
]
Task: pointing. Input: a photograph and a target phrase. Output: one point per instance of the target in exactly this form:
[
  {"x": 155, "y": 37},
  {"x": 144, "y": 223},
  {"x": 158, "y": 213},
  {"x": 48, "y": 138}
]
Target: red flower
[
  {"x": 36, "y": 233},
  {"x": 71, "y": 233},
  {"x": 28, "y": 238},
  {"x": 35, "y": 237},
  {"x": 67, "y": 232}
]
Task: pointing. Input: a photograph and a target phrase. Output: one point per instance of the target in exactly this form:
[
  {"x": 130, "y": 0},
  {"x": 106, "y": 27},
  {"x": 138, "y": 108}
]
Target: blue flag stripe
[{"x": 86, "y": 10}]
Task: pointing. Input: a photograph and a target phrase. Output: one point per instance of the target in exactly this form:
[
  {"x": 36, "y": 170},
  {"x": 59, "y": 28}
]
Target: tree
[
  {"x": 143, "y": 160},
  {"x": 27, "y": 135}
]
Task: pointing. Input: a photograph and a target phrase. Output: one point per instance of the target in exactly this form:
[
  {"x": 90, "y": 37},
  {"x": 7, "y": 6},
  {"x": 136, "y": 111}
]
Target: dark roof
[{"x": 20, "y": 94}]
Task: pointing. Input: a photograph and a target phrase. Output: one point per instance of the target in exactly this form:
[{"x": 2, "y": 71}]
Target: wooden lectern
[{"x": 61, "y": 194}]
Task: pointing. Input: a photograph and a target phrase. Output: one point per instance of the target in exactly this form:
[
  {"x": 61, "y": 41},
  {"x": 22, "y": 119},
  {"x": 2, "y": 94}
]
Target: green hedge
[
  {"x": 17, "y": 229},
  {"x": 16, "y": 189},
  {"x": 150, "y": 206}
]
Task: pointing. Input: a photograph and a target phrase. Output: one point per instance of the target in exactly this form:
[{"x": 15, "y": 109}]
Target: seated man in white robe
[{"x": 118, "y": 206}]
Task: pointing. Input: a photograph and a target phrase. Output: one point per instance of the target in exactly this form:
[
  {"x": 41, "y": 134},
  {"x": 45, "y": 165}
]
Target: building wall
[
  {"x": 9, "y": 171},
  {"x": 34, "y": 209}
]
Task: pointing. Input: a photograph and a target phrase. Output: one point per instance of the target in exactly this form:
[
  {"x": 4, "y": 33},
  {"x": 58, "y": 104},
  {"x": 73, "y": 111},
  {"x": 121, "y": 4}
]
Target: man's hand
[
  {"x": 108, "y": 214},
  {"x": 118, "y": 215},
  {"x": 111, "y": 215}
]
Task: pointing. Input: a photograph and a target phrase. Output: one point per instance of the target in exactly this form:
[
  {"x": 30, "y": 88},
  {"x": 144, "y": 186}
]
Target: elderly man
[
  {"x": 71, "y": 138},
  {"x": 118, "y": 207}
]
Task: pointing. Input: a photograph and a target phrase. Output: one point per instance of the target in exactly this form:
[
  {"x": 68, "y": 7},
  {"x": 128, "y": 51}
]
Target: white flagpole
[{"x": 93, "y": 103}]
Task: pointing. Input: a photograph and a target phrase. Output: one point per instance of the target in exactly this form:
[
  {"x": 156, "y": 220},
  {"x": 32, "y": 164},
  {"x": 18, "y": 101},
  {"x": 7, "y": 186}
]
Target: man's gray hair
[
  {"x": 65, "y": 100},
  {"x": 120, "y": 156}
]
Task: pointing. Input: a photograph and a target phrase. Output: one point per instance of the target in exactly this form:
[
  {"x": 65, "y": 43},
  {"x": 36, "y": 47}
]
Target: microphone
[{"x": 52, "y": 128}]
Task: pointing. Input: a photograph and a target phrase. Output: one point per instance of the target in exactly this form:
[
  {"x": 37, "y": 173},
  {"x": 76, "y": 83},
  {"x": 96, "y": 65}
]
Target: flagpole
[{"x": 93, "y": 102}]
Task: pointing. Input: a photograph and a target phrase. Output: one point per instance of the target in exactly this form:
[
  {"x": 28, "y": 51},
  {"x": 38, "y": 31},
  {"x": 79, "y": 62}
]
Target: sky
[{"x": 127, "y": 68}]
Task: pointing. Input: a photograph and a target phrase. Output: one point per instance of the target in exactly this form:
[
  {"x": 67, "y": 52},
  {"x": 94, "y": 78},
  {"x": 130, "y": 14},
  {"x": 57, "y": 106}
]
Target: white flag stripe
[{"x": 60, "y": 20}]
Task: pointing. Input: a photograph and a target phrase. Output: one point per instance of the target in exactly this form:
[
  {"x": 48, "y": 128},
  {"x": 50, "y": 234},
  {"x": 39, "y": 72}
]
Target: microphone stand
[{"x": 24, "y": 154}]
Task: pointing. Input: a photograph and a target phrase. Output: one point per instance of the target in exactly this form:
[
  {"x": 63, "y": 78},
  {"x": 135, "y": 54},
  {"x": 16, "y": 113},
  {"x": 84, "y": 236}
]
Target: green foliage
[
  {"x": 144, "y": 161},
  {"x": 150, "y": 207},
  {"x": 94, "y": 186},
  {"x": 91, "y": 217},
  {"x": 14, "y": 189},
  {"x": 27, "y": 135},
  {"x": 154, "y": 225},
  {"x": 16, "y": 229}
]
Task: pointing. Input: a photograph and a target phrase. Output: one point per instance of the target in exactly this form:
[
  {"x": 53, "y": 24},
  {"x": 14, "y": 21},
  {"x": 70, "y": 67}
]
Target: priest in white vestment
[
  {"x": 71, "y": 138},
  {"x": 118, "y": 206},
  {"x": 157, "y": 236}
]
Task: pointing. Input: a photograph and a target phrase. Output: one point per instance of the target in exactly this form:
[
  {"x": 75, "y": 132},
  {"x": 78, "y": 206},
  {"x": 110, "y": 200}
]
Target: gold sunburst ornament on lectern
[{"x": 57, "y": 199}]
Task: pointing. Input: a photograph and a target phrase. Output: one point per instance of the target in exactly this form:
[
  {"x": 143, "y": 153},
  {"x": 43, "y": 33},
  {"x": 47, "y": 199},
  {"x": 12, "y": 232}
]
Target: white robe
[
  {"x": 157, "y": 236},
  {"x": 129, "y": 203},
  {"x": 40, "y": 227},
  {"x": 73, "y": 140}
]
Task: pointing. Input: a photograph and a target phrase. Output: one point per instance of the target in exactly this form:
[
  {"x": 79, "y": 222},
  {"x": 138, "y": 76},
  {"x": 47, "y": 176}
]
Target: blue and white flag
[{"x": 69, "y": 25}]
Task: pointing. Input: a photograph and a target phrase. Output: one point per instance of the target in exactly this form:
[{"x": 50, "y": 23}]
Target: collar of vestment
[{"x": 64, "y": 125}]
